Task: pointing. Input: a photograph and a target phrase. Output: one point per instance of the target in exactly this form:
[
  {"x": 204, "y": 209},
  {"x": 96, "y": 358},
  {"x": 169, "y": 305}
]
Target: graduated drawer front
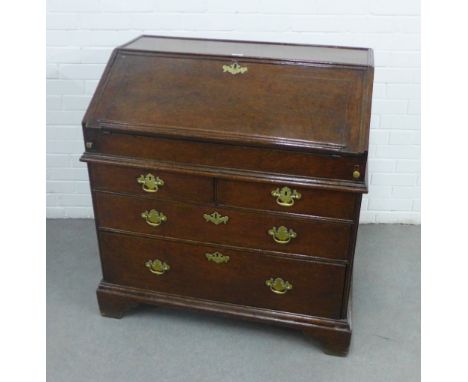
[
  {"x": 316, "y": 288},
  {"x": 243, "y": 228},
  {"x": 291, "y": 198},
  {"x": 135, "y": 181},
  {"x": 255, "y": 195},
  {"x": 227, "y": 156}
]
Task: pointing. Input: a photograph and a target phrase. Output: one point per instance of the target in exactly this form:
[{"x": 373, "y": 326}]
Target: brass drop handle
[
  {"x": 150, "y": 183},
  {"x": 278, "y": 285},
  {"x": 285, "y": 197},
  {"x": 217, "y": 257},
  {"x": 157, "y": 266},
  {"x": 153, "y": 217},
  {"x": 282, "y": 235}
]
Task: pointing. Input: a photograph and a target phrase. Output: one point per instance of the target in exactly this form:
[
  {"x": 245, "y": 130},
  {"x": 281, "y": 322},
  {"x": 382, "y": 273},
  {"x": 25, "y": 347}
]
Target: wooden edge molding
[
  {"x": 209, "y": 135},
  {"x": 245, "y": 175},
  {"x": 334, "y": 336},
  {"x": 260, "y": 252},
  {"x": 294, "y": 320},
  {"x": 255, "y": 211},
  {"x": 124, "y": 48}
]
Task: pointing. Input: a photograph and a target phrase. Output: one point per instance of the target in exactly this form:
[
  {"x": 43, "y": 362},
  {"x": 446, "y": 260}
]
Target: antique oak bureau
[{"x": 227, "y": 177}]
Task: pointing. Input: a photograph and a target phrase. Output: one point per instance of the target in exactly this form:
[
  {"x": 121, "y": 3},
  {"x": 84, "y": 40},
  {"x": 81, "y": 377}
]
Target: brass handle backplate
[
  {"x": 282, "y": 235},
  {"x": 217, "y": 257},
  {"x": 157, "y": 266},
  {"x": 285, "y": 196},
  {"x": 216, "y": 218},
  {"x": 150, "y": 183},
  {"x": 234, "y": 69},
  {"x": 153, "y": 217},
  {"x": 278, "y": 285}
]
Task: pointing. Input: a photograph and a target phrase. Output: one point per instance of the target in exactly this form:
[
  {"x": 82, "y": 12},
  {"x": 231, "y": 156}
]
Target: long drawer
[
  {"x": 208, "y": 223},
  {"x": 212, "y": 273}
]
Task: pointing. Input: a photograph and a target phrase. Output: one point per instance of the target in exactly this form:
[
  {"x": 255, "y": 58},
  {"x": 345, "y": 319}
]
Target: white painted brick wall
[{"x": 82, "y": 33}]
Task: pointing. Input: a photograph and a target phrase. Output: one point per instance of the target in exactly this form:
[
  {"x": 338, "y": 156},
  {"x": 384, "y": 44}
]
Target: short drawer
[
  {"x": 286, "y": 198},
  {"x": 219, "y": 274},
  {"x": 151, "y": 183},
  {"x": 237, "y": 227}
]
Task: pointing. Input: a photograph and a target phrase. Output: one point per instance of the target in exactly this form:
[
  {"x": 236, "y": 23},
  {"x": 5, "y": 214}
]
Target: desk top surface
[{"x": 253, "y": 49}]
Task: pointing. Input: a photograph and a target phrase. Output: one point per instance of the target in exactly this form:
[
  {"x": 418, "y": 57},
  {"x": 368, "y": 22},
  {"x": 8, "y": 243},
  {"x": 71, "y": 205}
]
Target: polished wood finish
[
  {"x": 333, "y": 341},
  {"x": 113, "y": 305},
  {"x": 312, "y": 202},
  {"x": 298, "y": 117},
  {"x": 227, "y": 173},
  {"x": 317, "y": 287},
  {"x": 261, "y": 50},
  {"x": 124, "y": 180},
  {"x": 333, "y": 335},
  {"x": 315, "y": 237},
  {"x": 322, "y": 105},
  {"x": 111, "y": 142}
]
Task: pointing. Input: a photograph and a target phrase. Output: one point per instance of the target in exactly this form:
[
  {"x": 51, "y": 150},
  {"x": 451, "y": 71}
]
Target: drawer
[
  {"x": 151, "y": 183},
  {"x": 286, "y": 198},
  {"x": 232, "y": 227},
  {"x": 235, "y": 277},
  {"x": 227, "y": 156}
]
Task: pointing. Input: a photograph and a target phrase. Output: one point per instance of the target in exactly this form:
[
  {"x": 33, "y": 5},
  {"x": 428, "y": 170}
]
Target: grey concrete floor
[{"x": 159, "y": 344}]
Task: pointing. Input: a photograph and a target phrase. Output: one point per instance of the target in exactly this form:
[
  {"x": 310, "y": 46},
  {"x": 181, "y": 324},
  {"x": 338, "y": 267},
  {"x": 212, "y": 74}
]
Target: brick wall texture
[{"x": 82, "y": 33}]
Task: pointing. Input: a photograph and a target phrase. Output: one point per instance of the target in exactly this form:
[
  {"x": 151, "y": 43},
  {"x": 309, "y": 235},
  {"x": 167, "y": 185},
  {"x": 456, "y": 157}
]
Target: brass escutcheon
[
  {"x": 157, "y": 266},
  {"x": 217, "y": 257},
  {"x": 278, "y": 285},
  {"x": 234, "y": 69},
  {"x": 282, "y": 235},
  {"x": 153, "y": 217},
  {"x": 216, "y": 218},
  {"x": 286, "y": 197},
  {"x": 150, "y": 183}
]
